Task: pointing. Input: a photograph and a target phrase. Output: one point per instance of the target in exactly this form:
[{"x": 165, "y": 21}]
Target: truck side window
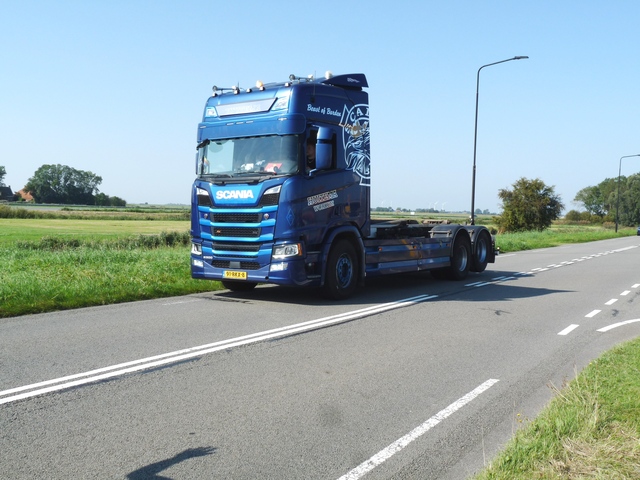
[
  {"x": 326, "y": 149},
  {"x": 310, "y": 150}
]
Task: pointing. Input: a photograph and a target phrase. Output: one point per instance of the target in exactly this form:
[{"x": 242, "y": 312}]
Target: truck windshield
[{"x": 270, "y": 155}]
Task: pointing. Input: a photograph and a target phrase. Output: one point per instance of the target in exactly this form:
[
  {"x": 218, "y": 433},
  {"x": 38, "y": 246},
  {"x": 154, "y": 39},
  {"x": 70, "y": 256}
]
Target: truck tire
[
  {"x": 481, "y": 252},
  {"x": 341, "y": 277},
  {"x": 460, "y": 257},
  {"x": 236, "y": 286}
]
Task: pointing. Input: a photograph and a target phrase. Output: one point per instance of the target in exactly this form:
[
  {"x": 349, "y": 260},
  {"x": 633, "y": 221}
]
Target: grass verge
[
  {"x": 555, "y": 236},
  {"x": 591, "y": 429},
  {"x": 58, "y": 273}
]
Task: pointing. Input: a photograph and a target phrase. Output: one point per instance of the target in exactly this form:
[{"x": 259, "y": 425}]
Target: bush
[{"x": 572, "y": 216}]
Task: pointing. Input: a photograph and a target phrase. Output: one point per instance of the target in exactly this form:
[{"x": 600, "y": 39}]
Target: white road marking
[
  {"x": 180, "y": 302},
  {"x": 636, "y": 285},
  {"x": 568, "y": 330},
  {"x": 611, "y": 302},
  {"x": 592, "y": 314},
  {"x": 616, "y": 325},
  {"x": 417, "y": 432},
  {"x": 625, "y": 248},
  {"x": 625, "y": 293},
  {"x": 180, "y": 355},
  {"x": 492, "y": 282}
]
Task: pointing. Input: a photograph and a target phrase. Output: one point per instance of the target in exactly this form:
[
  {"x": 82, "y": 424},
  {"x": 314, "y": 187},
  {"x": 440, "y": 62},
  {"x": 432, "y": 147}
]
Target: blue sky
[{"x": 117, "y": 88}]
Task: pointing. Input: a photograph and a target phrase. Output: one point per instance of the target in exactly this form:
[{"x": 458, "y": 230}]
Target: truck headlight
[
  {"x": 203, "y": 197},
  {"x": 196, "y": 249},
  {"x": 287, "y": 251}
]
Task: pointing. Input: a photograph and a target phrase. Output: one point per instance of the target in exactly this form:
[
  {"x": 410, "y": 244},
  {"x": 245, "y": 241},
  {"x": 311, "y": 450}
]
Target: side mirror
[{"x": 324, "y": 149}]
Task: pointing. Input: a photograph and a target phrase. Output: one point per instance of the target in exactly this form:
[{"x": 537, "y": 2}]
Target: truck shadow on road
[{"x": 487, "y": 286}]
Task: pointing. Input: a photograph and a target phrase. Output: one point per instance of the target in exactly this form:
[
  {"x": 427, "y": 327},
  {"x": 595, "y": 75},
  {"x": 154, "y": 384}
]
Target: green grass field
[{"x": 16, "y": 229}]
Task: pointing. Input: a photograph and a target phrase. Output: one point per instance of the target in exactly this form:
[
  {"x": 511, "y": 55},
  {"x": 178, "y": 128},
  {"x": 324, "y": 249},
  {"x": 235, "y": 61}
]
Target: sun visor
[{"x": 356, "y": 81}]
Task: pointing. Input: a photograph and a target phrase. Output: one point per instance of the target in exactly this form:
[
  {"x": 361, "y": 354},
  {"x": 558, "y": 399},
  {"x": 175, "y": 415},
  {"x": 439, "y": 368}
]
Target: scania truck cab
[{"x": 282, "y": 195}]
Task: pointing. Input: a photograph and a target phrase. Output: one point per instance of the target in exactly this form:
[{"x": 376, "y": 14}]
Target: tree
[
  {"x": 599, "y": 200},
  {"x": 104, "y": 200},
  {"x": 630, "y": 201},
  {"x": 63, "y": 184},
  {"x": 3, "y": 172},
  {"x": 531, "y": 205},
  {"x": 591, "y": 199}
]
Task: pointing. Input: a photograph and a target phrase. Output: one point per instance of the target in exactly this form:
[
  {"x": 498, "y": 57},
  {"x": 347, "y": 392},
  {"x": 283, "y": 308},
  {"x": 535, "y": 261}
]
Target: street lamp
[
  {"x": 618, "y": 194},
  {"x": 475, "y": 137}
]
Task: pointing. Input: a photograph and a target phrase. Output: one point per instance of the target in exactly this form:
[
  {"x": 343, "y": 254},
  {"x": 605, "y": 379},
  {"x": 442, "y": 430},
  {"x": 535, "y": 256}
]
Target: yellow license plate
[{"x": 234, "y": 274}]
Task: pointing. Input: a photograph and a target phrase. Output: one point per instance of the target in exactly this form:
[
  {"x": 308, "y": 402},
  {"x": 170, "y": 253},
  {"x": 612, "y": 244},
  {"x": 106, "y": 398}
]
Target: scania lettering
[
  {"x": 226, "y": 195},
  {"x": 282, "y": 195}
]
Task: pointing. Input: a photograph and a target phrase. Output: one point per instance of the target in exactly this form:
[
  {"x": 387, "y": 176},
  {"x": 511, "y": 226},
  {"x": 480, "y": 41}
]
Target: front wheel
[{"x": 342, "y": 271}]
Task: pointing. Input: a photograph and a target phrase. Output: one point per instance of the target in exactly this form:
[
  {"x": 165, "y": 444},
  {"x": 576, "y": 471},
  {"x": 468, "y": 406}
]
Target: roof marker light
[
  {"x": 260, "y": 85},
  {"x": 328, "y": 74}
]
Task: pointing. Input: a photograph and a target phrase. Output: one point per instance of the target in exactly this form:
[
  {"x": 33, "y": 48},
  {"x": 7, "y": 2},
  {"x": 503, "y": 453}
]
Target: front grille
[
  {"x": 243, "y": 265},
  {"x": 236, "y": 218},
  {"x": 235, "y": 247},
  {"x": 235, "y": 232}
]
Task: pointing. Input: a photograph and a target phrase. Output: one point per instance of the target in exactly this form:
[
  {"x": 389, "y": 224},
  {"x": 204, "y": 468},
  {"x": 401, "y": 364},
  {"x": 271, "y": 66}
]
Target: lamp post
[
  {"x": 475, "y": 137},
  {"x": 618, "y": 194}
]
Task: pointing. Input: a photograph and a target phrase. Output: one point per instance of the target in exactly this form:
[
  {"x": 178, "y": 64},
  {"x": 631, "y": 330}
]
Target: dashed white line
[
  {"x": 592, "y": 314},
  {"x": 625, "y": 293},
  {"x": 402, "y": 442},
  {"x": 611, "y": 302},
  {"x": 568, "y": 330}
]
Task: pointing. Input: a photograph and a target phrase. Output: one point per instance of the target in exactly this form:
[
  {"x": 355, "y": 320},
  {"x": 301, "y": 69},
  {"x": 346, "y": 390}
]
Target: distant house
[
  {"x": 26, "y": 196},
  {"x": 6, "y": 195}
]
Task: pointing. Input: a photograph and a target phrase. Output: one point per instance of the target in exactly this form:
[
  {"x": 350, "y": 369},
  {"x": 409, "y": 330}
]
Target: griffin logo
[{"x": 355, "y": 139}]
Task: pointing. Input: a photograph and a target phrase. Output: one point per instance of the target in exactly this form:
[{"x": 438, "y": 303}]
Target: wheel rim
[
  {"x": 463, "y": 259},
  {"x": 344, "y": 271},
  {"x": 481, "y": 250}
]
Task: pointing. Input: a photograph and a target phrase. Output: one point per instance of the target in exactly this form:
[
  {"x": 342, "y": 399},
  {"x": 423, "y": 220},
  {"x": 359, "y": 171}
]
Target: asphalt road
[{"x": 413, "y": 378}]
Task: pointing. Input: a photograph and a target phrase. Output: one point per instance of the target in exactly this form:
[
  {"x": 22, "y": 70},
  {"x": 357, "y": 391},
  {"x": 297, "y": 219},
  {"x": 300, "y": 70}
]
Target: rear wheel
[
  {"x": 236, "y": 286},
  {"x": 481, "y": 252},
  {"x": 460, "y": 257},
  {"x": 342, "y": 271}
]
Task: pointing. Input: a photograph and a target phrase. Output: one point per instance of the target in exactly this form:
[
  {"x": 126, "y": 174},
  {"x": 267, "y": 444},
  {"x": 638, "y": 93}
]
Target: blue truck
[{"x": 282, "y": 195}]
